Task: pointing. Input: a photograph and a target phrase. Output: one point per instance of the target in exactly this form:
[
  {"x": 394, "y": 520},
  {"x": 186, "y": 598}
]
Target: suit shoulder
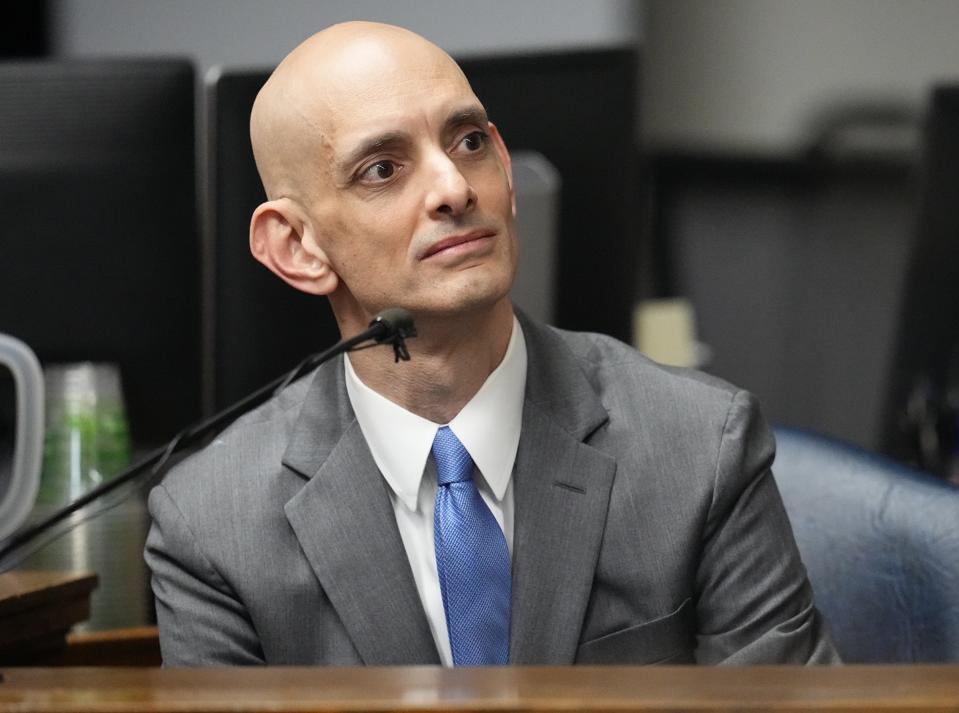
[
  {"x": 254, "y": 441},
  {"x": 664, "y": 414},
  {"x": 609, "y": 363}
]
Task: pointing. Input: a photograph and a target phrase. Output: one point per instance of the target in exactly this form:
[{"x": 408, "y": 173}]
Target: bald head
[
  {"x": 322, "y": 80},
  {"x": 386, "y": 182}
]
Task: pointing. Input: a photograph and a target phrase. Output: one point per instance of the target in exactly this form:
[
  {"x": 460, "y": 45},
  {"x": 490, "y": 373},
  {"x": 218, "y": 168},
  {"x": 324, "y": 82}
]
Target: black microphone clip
[{"x": 394, "y": 326}]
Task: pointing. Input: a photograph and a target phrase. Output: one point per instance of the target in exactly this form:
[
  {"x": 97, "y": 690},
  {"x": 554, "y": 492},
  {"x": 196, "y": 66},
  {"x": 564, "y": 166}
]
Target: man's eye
[
  {"x": 474, "y": 141},
  {"x": 379, "y": 171}
]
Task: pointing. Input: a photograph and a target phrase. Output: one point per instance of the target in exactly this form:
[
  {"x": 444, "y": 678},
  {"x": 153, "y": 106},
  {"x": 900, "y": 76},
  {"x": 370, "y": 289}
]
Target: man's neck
[{"x": 450, "y": 360}]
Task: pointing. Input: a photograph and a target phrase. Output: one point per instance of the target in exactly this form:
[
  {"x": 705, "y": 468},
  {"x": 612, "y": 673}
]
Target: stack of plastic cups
[{"x": 87, "y": 442}]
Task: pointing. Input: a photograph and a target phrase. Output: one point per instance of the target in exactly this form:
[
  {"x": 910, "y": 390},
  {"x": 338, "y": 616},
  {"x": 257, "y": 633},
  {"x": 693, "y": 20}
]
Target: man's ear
[
  {"x": 500, "y": 147},
  {"x": 281, "y": 240}
]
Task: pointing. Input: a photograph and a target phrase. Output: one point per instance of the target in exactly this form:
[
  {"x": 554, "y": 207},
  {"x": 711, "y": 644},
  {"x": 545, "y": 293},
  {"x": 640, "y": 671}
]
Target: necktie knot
[{"x": 453, "y": 462}]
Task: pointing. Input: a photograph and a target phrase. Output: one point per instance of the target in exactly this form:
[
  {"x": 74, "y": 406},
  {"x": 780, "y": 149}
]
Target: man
[{"x": 618, "y": 512}]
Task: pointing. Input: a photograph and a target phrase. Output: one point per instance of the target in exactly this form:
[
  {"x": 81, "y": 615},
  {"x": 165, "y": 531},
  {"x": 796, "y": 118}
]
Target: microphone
[
  {"x": 394, "y": 326},
  {"x": 391, "y": 326}
]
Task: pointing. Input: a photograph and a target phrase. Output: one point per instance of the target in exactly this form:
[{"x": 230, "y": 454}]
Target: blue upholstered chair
[{"x": 881, "y": 545}]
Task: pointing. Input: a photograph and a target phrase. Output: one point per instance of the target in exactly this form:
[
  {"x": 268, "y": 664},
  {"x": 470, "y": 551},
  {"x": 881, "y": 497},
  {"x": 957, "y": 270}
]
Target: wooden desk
[
  {"x": 37, "y": 610},
  {"x": 888, "y": 689}
]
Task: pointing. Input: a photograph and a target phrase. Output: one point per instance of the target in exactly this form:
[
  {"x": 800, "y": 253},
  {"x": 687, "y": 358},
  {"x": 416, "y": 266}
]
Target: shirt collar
[{"x": 488, "y": 426}]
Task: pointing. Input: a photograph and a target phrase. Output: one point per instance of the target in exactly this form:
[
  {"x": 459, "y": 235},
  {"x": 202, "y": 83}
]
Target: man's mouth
[{"x": 453, "y": 242}]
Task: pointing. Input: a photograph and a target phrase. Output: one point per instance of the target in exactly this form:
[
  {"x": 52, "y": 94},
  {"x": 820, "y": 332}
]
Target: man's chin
[{"x": 462, "y": 304}]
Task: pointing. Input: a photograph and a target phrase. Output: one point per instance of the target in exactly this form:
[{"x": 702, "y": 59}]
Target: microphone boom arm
[{"x": 391, "y": 326}]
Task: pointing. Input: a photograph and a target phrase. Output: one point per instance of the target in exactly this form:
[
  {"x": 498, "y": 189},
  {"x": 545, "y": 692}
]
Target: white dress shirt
[{"x": 400, "y": 441}]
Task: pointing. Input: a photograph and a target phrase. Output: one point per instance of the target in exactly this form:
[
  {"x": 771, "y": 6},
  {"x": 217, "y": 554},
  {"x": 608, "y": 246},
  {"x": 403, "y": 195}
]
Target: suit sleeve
[
  {"x": 201, "y": 621},
  {"x": 755, "y": 604}
]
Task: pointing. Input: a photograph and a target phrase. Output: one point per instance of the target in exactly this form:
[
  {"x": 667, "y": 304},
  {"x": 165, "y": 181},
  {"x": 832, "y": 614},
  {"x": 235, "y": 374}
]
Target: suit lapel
[
  {"x": 344, "y": 521},
  {"x": 561, "y": 492}
]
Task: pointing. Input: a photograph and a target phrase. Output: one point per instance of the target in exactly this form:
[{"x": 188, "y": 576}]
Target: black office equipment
[
  {"x": 921, "y": 419},
  {"x": 257, "y": 326},
  {"x": 578, "y": 109},
  {"x": 99, "y": 258}
]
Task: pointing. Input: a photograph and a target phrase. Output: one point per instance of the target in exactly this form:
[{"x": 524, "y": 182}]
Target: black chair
[{"x": 881, "y": 545}]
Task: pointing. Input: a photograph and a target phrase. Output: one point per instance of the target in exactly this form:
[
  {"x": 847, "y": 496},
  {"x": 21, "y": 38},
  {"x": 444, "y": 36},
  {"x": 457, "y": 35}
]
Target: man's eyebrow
[
  {"x": 369, "y": 146},
  {"x": 467, "y": 115}
]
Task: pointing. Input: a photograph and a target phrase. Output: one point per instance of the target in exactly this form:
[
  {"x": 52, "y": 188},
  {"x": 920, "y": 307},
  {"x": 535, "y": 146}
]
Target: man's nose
[{"x": 450, "y": 193}]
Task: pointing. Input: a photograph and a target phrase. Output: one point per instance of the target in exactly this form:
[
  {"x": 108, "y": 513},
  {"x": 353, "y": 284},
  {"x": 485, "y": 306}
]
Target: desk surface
[
  {"x": 854, "y": 688},
  {"x": 37, "y": 610}
]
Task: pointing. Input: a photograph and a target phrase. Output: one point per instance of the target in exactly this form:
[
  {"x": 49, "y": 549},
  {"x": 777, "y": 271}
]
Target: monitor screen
[{"x": 99, "y": 257}]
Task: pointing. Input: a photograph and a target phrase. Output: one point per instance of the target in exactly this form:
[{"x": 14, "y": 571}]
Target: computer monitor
[
  {"x": 99, "y": 257},
  {"x": 257, "y": 326},
  {"x": 578, "y": 109}
]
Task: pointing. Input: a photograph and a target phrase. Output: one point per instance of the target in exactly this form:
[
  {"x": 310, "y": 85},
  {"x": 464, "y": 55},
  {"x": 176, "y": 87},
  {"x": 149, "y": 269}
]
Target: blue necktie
[{"x": 472, "y": 560}]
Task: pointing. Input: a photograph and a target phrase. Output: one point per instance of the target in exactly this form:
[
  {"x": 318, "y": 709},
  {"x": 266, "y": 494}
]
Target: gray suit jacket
[{"x": 647, "y": 529}]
